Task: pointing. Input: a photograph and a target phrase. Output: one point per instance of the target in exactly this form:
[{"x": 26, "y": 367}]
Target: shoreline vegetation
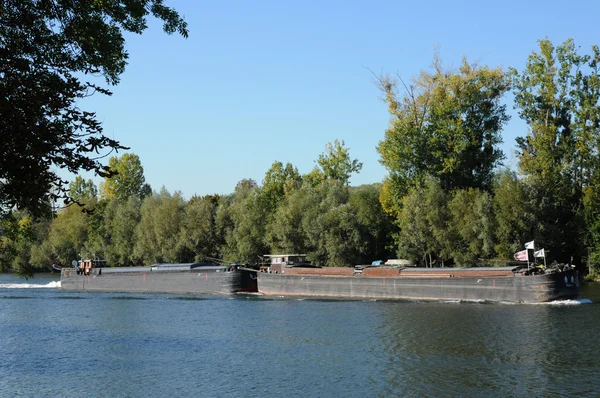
[{"x": 447, "y": 199}]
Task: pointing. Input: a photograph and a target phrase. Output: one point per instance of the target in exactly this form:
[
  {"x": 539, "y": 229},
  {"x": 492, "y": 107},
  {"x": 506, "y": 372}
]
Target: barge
[
  {"x": 291, "y": 275},
  {"x": 188, "y": 278}
]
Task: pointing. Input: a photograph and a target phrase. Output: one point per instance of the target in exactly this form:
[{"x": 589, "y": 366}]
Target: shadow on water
[
  {"x": 127, "y": 298},
  {"x": 11, "y": 297},
  {"x": 70, "y": 298},
  {"x": 193, "y": 298}
]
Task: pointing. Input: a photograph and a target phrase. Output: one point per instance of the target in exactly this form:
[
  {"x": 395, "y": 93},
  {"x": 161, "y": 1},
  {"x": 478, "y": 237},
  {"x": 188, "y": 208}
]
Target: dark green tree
[
  {"x": 558, "y": 94},
  {"x": 473, "y": 226},
  {"x": 245, "y": 232},
  {"x": 49, "y": 54},
  {"x": 223, "y": 222},
  {"x": 424, "y": 234},
  {"x": 114, "y": 231},
  {"x": 286, "y": 234},
  {"x": 376, "y": 228},
  {"x": 515, "y": 218},
  {"x": 279, "y": 180},
  {"x": 348, "y": 226},
  {"x": 157, "y": 233},
  {"x": 198, "y": 237},
  {"x": 40, "y": 255},
  {"x": 330, "y": 230}
]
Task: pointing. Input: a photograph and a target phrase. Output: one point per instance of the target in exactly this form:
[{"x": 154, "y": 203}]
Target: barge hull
[
  {"x": 519, "y": 289},
  {"x": 176, "y": 282}
]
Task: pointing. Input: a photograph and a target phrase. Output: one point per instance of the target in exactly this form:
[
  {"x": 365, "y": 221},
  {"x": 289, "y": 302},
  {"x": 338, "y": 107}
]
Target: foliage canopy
[
  {"x": 49, "y": 52},
  {"x": 446, "y": 124}
]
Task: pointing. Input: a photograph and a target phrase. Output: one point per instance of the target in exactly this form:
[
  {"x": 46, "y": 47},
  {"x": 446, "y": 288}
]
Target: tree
[
  {"x": 424, "y": 234},
  {"x": 514, "y": 216},
  {"x": 97, "y": 242},
  {"x": 591, "y": 202},
  {"x": 329, "y": 228},
  {"x": 245, "y": 233},
  {"x": 114, "y": 232},
  {"x": 376, "y": 228},
  {"x": 447, "y": 124},
  {"x": 40, "y": 255},
  {"x": 17, "y": 231},
  {"x": 391, "y": 193},
  {"x": 335, "y": 163},
  {"x": 278, "y": 181},
  {"x": 558, "y": 95},
  {"x": 198, "y": 236},
  {"x": 223, "y": 222},
  {"x": 159, "y": 227},
  {"x": 128, "y": 179},
  {"x": 68, "y": 235},
  {"x": 49, "y": 51},
  {"x": 349, "y": 226},
  {"x": 286, "y": 234},
  {"x": 472, "y": 221},
  {"x": 81, "y": 190}
]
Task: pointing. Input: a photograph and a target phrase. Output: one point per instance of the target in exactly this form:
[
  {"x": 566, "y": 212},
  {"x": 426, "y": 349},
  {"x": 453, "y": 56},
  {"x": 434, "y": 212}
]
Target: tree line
[
  {"x": 127, "y": 223},
  {"x": 452, "y": 200},
  {"x": 447, "y": 199}
]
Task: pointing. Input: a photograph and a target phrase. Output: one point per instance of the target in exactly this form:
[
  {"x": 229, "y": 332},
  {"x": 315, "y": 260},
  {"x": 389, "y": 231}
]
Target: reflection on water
[
  {"x": 485, "y": 350},
  {"x": 101, "y": 344}
]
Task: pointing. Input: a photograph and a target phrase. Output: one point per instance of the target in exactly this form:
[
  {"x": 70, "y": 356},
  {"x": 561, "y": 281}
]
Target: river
[{"x": 63, "y": 344}]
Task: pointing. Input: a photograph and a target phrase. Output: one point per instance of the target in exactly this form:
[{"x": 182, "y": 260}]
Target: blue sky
[{"x": 258, "y": 82}]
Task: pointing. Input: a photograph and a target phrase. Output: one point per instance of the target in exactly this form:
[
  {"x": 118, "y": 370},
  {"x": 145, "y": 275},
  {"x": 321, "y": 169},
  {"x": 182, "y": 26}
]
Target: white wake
[
  {"x": 569, "y": 302},
  {"x": 51, "y": 285}
]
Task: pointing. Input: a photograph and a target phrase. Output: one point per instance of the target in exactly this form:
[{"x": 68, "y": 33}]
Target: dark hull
[
  {"x": 518, "y": 289},
  {"x": 145, "y": 281}
]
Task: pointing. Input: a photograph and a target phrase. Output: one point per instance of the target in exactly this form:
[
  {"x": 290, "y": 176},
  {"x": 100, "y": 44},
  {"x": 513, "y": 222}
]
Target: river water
[{"x": 62, "y": 344}]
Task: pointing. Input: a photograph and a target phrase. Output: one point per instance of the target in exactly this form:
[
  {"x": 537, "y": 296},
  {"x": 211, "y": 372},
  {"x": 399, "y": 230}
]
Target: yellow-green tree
[
  {"x": 127, "y": 180},
  {"x": 445, "y": 124},
  {"x": 68, "y": 235},
  {"x": 334, "y": 164},
  {"x": 81, "y": 190},
  {"x": 17, "y": 231}
]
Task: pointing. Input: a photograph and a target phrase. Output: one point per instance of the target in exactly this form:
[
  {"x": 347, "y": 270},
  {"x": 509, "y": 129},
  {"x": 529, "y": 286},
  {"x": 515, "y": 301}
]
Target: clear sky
[{"x": 262, "y": 81}]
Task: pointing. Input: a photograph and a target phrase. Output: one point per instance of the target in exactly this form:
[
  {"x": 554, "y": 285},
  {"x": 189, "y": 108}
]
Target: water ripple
[{"x": 106, "y": 344}]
